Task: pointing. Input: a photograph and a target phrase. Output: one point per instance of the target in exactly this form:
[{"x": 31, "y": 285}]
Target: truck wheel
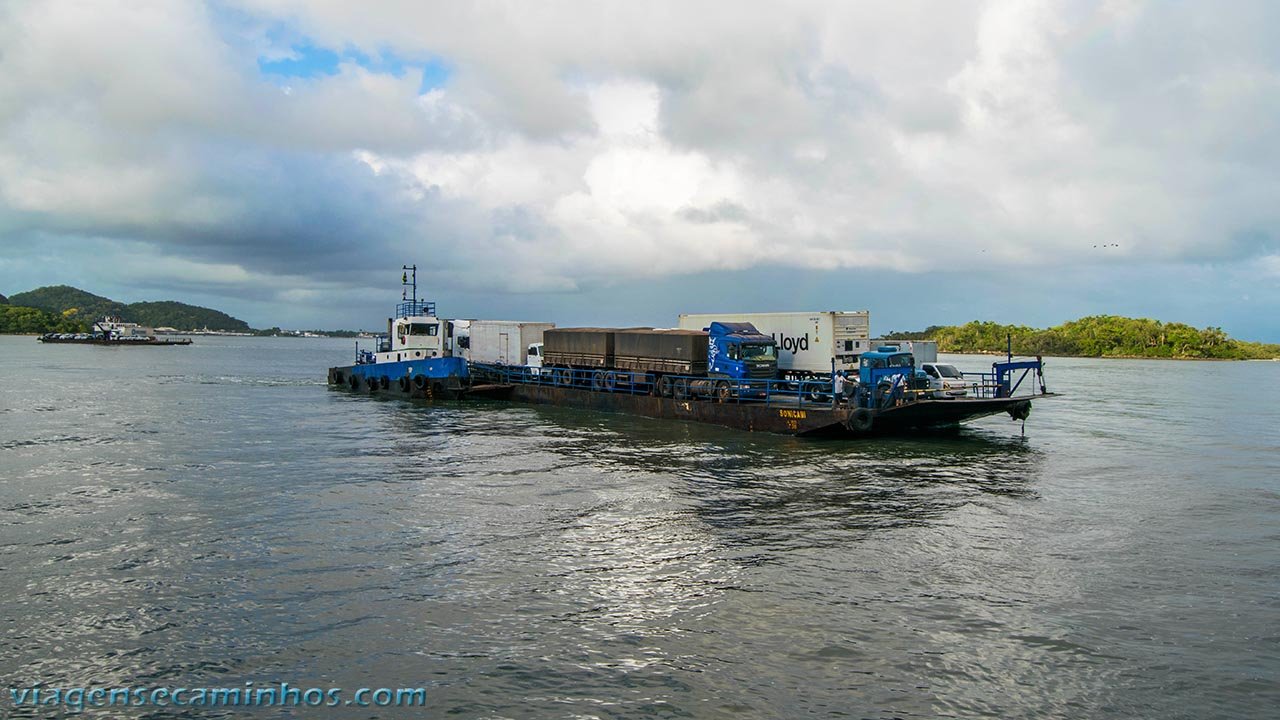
[
  {"x": 610, "y": 381},
  {"x": 723, "y": 393},
  {"x": 680, "y": 389},
  {"x": 562, "y": 376},
  {"x": 597, "y": 380},
  {"x": 663, "y": 386},
  {"x": 815, "y": 392}
]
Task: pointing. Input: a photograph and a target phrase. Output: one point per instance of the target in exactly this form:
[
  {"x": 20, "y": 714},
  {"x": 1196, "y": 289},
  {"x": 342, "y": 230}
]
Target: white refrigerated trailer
[
  {"x": 808, "y": 342},
  {"x": 502, "y": 342}
]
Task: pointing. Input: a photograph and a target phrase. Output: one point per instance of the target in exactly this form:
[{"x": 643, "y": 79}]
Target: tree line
[{"x": 1095, "y": 336}]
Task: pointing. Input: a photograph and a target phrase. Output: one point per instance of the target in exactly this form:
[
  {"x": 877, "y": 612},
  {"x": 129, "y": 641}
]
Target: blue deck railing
[
  {"x": 780, "y": 393},
  {"x": 409, "y": 308}
]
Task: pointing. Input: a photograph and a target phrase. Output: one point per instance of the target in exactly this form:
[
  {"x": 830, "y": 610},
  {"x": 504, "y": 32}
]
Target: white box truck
[
  {"x": 808, "y": 342},
  {"x": 924, "y": 351},
  {"x": 499, "y": 342}
]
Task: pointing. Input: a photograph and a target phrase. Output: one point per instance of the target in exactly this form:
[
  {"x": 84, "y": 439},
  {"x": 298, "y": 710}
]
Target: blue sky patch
[
  {"x": 435, "y": 74},
  {"x": 308, "y": 61}
]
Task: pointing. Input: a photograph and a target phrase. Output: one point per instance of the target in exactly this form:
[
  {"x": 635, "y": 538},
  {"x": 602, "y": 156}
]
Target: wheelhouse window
[{"x": 430, "y": 329}]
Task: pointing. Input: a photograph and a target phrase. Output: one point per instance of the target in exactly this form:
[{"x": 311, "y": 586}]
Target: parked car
[{"x": 945, "y": 380}]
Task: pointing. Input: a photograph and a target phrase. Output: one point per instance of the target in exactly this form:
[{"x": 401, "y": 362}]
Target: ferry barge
[
  {"x": 724, "y": 375},
  {"x": 112, "y": 331}
]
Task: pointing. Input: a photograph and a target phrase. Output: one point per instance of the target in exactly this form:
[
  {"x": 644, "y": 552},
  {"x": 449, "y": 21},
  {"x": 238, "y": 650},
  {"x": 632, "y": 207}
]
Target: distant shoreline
[{"x": 1002, "y": 353}]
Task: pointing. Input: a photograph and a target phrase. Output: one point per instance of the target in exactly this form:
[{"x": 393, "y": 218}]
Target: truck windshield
[
  {"x": 759, "y": 352},
  {"x": 903, "y": 360}
]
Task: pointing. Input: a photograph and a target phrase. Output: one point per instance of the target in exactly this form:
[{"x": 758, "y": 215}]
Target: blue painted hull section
[
  {"x": 433, "y": 368},
  {"x": 434, "y": 379}
]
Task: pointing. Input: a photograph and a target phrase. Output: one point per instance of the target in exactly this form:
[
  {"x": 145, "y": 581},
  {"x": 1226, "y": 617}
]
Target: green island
[
  {"x": 62, "y": 308},
  {"x": 66, "y": 309},
  {"x": 1095, "y": 336}
]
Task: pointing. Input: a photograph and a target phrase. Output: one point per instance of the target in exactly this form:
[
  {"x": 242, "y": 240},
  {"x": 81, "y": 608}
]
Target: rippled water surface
[{"x": 214, "y": 515}]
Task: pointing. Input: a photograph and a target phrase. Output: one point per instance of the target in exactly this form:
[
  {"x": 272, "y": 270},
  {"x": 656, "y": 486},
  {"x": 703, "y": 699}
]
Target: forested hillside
[
  {"x": 1096, "y": 336},
  {"x": 63, "y": 308}
]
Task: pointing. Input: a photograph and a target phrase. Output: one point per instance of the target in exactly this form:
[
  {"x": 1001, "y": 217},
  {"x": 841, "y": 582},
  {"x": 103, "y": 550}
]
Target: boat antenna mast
[{"x": 408, "y": 281}]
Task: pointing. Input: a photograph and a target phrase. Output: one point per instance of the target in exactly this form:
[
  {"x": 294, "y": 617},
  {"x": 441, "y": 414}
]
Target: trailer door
[{"x": 504, "y": 344}]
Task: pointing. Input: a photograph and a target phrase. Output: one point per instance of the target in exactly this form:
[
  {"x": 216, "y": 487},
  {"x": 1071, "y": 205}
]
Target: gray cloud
[{"x": 583, "y": 145}]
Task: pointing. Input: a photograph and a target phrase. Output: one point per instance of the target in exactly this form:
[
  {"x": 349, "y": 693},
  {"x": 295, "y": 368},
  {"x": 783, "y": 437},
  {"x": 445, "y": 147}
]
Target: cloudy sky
[{"x": 607, "y": 162}]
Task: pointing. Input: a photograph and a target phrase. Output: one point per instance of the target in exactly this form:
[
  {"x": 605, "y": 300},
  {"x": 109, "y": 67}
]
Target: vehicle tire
[
  {"x": 610, "y": 381},
  {"x": 680, "y": 389},
  {"x": 860, "y": 420},
  {"x": 597, "y": 380},
  {"x": 662, "y": 386},
  {"x": 723, "y": 393},
  {"x": 564, "y": 376}
]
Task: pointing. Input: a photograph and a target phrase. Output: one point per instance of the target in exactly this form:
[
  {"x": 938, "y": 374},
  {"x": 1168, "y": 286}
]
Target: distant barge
[
  {"x": 725, "y": 376},
  {"x": 111, "y": 331}
]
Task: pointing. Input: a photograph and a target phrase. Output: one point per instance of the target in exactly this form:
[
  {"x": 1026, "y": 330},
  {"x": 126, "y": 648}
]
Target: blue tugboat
[{"x": 415, "y": 358}]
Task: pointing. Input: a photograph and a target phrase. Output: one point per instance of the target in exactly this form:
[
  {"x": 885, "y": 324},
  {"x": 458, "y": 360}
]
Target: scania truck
[{"x": 810, "y": 344}]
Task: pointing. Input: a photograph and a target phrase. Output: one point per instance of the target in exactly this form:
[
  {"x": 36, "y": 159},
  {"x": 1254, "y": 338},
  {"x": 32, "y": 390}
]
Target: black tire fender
[
  {"x": 860, "y": 420},
  {"x": 1020, "y": 411}
]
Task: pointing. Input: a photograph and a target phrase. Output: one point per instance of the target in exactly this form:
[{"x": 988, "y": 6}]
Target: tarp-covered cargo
[
  {"x": 682, "y": 352},
  {"x": 578, "y": 347}
]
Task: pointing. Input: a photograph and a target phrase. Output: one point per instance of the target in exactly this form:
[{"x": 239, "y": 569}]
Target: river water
[{"x": 215, "y": 516}]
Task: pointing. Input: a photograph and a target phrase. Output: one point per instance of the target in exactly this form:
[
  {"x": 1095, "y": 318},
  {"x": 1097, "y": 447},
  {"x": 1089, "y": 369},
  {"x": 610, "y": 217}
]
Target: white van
[{"x": 945, "y": 380}]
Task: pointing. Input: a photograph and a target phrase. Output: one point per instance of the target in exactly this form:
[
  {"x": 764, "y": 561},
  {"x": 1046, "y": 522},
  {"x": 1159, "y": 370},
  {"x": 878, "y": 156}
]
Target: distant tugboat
[{"x": 111, "y": 331}]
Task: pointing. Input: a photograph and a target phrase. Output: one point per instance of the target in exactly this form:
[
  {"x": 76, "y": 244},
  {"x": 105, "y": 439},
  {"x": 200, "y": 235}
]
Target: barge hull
[{"x": 436, "y": 382}]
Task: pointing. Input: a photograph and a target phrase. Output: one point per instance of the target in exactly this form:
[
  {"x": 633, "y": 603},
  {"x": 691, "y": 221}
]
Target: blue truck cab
[
  {"x": 884, "y": 373},
  {"x": 738, "y": 351}
]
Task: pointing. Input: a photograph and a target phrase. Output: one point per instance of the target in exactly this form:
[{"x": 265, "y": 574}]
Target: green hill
[
  {"x": 4, "y": 300},
  {"x": 1095, "y": 336},
  {"x": 58, "y": 299},
  {"x": 63, "y": 303},
  {"x": 168, "y": 313}
]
